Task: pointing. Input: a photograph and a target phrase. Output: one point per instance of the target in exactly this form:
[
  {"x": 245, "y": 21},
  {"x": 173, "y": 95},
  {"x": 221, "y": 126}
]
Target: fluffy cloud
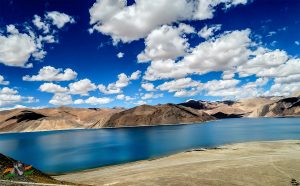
[
  {"x": 166, "y": 42},
  {"x": 288, "y": 79},
  {"x": 263, "y": 60},
  {"x": 94, "y": 101},
  {"x": 148, "y": 86},
  {"x": 277, "y": 65},
  {"x": 207, "y": 32},
  {"x": 291, "y": 67},
  {"x": 216, "y": 85},
  {"x": 59, "y": 19},
  {"x": 218, "y": 54},
  {"x": 82, "y": 87},
  {"x": 2, "y": 81},
  {"x": 286, "y": 86},
  {"x": 123, "y": 81},
  {"x": 52, "y": 88},
  {"x": 123, "y": 97},
  {"x": 229, "y": 89},
  {"x": 140, "y": 102},
  {"x": 128, "y": 23},
  {"x": 61, "y": 99},
  {"x": 135, "y": 75},
  {"x": 184, "y": 87},
  {"x": 110, "y": 89},
  {"x": 37, "y": 21},
  {"x": 232, "y": 53},
  {"x": 7, "y": 90},
  {"x": 49, "y": 73},
  {"x": 120, "y": 55},
  {"x": 228, "y": 74},
  {"x": 165, "y": 69},
  {"x": 259, "y": 82},
  {"x": 9, "y": 97},
  {"x": 17, "y": 48},
  {"x": 178, "y": 84},
  {"x": 279, "y": 89},
  {"x": 52, "y": 18},
  {"x": 151, "y": 95},
  {"x": 186, "y": 93}
]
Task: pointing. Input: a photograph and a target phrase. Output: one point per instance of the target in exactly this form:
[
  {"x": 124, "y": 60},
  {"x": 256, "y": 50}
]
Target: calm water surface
[{"x": 66, "y": 151}]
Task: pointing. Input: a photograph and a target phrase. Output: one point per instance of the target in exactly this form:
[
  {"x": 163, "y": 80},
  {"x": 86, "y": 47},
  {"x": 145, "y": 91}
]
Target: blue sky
[{"x": 124, "y": 54}]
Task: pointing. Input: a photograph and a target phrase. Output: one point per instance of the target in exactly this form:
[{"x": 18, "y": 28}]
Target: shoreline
[
  {"x": 140, "y": 126},
  {"x": 256, "y": 157},
  {"x": 168, "y": 155},
  {"x": 200, "y": 149}
]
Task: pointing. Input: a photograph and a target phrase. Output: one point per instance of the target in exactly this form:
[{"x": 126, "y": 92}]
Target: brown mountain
[
  {"x": 283, "y": 107},
  {"x": 155, "y": 115},
  {"x": 18, "y": 120},
  {"x": 231, "y": 109},
  {"x": 23, "y": 120}
]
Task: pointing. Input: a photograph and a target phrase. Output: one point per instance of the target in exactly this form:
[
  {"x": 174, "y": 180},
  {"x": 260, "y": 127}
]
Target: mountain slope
[
  {"x": 231, "y": 109},
  {"x": 283, "y": 107},
  {"x": 155, "y": 115},
  {"x": 25, "y": 120}
]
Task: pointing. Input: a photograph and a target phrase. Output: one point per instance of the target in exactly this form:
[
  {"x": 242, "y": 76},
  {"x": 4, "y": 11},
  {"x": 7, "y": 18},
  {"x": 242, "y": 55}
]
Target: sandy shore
[{"x": 255, "y": 163}]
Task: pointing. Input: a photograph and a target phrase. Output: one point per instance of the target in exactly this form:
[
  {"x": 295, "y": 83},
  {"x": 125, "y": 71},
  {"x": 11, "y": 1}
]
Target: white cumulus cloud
[
  {"x": 127, "y": 23},
  {"x": 49, "y": 73},
  {"x": 61, "y": 99},
  {"x": 94, "y": 101},
  {"x": 178, "y": 84},
  {"x": 225, "y": 52},
  {"x": 148, "y": 86},
  {"x": 122, "y": 82},
  {"x": 17, "y": 48},
  {"x": 120, "y": 55},
  {"x": 2, "y": 81},
  {"x": 82, "y": 87},
  {"x": 151, "y": 95},
  {"x": 52, "y": 88},
  {"x": 166, "y": 42},
  {"x": 59, "y": 19},
  {"x": 10, "y": 97},
  {"x": 207, "y": 32},
  {"x": 123, "y": 97}
]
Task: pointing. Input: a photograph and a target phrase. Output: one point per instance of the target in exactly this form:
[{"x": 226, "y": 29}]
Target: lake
[{"x": 72, "y": 150}]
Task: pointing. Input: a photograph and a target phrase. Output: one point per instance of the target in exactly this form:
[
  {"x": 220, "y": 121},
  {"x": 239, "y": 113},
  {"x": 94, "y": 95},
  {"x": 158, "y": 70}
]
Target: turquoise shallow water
[{"x": 72, "y": 150}]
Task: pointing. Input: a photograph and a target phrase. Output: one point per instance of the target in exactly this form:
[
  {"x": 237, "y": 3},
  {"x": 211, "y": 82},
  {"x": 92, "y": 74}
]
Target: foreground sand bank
[{"x": 254, "y": 163}]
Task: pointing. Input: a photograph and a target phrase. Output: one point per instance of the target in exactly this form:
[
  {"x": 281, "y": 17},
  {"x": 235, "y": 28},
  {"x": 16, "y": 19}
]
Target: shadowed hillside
[
  {"x": 154, "y": 115},
  {"x": 192, "y": 111}
]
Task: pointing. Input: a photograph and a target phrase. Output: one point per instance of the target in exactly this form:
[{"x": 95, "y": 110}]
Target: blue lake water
[{"x": 72, "y": 150}]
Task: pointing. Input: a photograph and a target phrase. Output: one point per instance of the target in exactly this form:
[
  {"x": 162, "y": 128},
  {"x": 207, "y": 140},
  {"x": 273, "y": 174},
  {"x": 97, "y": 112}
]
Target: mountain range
[{"x": 191, "y": 111}]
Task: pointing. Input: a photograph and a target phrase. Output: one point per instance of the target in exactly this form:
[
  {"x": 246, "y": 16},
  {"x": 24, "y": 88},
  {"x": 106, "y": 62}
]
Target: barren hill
[
  {"x": 25, "y": 120},
  {"x": 155, "y": 115},
  {"x": 232, "y": 109},
  {"x": 18, "y": 120},
  {"x": 284, "y": 107}
]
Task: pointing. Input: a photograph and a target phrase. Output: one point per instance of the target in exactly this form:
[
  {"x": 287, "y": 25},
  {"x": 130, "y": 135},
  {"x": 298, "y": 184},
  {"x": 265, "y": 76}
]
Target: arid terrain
[
  {"x": 25, "y": 119},
  {"x": 155, "y": 115},
  {"x": 254, "y": 163}
]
